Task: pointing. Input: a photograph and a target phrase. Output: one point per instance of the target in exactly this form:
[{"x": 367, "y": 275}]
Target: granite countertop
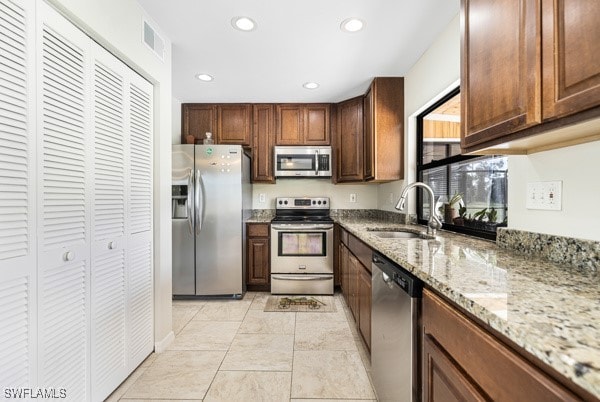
[{"x": 550, "y": 310}]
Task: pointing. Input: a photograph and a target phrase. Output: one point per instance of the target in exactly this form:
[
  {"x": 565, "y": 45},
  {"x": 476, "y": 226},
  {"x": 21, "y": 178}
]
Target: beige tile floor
[{"x": 230, "y": 350}]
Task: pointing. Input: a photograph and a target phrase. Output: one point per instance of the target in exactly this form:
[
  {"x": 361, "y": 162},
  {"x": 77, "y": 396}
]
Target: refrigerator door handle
[
  {"x": 199, "y": 202},
  {"x": 190, "y": 200}
]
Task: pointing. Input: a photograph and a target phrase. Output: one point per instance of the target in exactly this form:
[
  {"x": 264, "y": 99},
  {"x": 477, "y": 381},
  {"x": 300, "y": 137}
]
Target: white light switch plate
[{"x": 544, "y": 195}]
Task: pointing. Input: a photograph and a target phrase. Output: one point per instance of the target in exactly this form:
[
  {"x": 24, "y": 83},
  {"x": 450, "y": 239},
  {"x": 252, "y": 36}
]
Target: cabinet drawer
[
  {"x": 258, "y": 230},
  {"x": 361, "y": 251},
  {"x": 488, "y": 362}
]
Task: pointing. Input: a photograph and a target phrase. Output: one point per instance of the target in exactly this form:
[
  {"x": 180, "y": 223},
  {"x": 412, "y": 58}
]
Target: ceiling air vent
[{"x": 153, "y": 40}]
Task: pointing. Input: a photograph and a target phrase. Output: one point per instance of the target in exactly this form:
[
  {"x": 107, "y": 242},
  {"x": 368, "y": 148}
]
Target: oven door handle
[
  {"x": 301, "y": 277},
  {"x": 301, "y": 227}
]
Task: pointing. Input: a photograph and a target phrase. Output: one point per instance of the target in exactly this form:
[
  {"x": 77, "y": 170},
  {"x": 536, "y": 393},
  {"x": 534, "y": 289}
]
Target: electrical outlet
[
  {"x": 353, "y": 197},
  {"x": 261, "y": 198},
  {"x": 544, "y": 195}
]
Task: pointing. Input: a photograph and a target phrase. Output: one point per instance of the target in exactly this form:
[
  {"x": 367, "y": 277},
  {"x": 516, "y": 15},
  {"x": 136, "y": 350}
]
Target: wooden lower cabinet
[
  {"x": 445, "y": 380},
  {"x": 364, "y": 305},
  {"x": 345, "y": 275},
  {"x": 461, "y": 361},
  {"x": 356, "y": 286},
  {"x": 258, "y": 270}
]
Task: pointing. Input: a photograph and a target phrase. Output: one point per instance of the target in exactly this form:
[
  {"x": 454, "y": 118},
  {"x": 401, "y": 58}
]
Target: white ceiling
[{"x": 294, "y": 42}]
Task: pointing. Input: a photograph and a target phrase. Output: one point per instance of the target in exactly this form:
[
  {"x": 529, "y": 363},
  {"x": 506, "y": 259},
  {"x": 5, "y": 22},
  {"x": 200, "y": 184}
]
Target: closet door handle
[{"x": 68, "y": 256}]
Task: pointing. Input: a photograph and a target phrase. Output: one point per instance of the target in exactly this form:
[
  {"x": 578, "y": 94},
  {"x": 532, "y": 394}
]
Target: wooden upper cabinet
[
  {"x": 229, "y": 123},
  {"x": 385, "y": 135},
  {"x": 500, "y": 69},
  {"x": 530, "y": 74},
  {"x": 234, "y": 124},
  {"x": 198, "y": 119},
  {"x": 368, "y": 135},
  {"x": 290, "y": 124},
  {"x": 316, "y": 129},
  {"x": 262, "y": 148},
  {"x": 571, "y": 56},
  {"x": 302, "y": 124},
  {"x": 349, "y": 141}
]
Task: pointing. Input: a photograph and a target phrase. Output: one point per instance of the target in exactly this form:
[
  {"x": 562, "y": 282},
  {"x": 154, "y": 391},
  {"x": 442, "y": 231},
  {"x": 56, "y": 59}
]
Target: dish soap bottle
[{"x": 208, "y": 139}]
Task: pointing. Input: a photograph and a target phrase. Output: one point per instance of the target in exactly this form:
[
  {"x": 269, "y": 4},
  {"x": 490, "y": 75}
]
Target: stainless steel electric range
[{"x": 302, "y": 246}]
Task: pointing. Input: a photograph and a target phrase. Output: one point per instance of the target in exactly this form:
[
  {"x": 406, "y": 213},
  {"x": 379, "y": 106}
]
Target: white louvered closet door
[
  {"x": 17, "y": 195},
  {"x": 139, "y": 226},
  {"x": 64, "y": 141},
  {"x": 108, "y": 271}
]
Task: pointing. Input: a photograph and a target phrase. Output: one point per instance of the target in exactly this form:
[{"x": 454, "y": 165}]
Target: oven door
[{"x": 301, "y": 248}]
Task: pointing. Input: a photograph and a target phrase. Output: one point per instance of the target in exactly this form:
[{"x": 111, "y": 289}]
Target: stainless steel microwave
[{"x": 302, "y": 161}]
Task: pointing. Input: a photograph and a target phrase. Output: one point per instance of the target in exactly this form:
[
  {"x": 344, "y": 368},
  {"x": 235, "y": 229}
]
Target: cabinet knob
[
  {"x": 68, "y": 256},
  {"x": 112, "y": 245}
]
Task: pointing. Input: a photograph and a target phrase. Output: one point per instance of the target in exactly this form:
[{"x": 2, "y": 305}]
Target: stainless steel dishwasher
[{"x": 394, "y": 332}]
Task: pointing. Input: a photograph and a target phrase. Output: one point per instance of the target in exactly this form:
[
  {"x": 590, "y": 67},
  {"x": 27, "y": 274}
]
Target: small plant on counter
[
  {"x": 448, "y": 210},
  {"x": 460, "y": 220}
]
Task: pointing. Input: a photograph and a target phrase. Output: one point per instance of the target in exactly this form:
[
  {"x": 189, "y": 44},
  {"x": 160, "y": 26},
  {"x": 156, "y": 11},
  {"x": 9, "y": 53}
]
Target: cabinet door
[
  {"x": 443, "y": 380},
  {"x": 262, "y": 150},
  {"x": 316, "y": 127},
  {"x": 484, "y": 359},
  {"x": 63, "y": 204},
  {"x": 290, "y": 125},
  {"x": 197, "y": 120},
  {"x": 571, "y": 56},
  {"x": 18, "y": 311},
  {"x": 233, "y": 124},
  {"x": 345, "y": 272},
  {"x": 364, "y": 296},
  {"x": 350, "y": 140},
  {"x": 369, "y": 138},
  {"x": 353, "y": 283},
  {"x": 501, "y": 74},
  {"x": 258, "y": 261}
]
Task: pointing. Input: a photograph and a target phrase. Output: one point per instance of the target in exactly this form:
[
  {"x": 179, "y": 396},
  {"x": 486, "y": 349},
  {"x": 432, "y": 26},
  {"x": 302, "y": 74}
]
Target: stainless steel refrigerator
[{"x": 211, "y": 200}]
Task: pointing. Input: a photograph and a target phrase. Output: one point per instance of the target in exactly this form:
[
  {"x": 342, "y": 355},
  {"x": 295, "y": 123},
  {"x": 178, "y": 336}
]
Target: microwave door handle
[
  {"x": 190, "y": 200},
  {"x": 317, "y": 162}
]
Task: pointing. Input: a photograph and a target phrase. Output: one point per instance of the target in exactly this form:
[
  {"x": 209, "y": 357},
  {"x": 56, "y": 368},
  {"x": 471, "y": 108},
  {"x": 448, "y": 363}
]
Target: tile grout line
[{"x": 227, "y": 351}]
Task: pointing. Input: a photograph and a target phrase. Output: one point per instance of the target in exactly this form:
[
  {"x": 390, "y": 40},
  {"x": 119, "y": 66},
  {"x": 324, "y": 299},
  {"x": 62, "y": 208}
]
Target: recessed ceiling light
[
  {"x": 204, "y": 77},
  {"x": 352, "y": 25},
  {"x": 243, "y": 23},
  {"x": 310, "y": 85}
]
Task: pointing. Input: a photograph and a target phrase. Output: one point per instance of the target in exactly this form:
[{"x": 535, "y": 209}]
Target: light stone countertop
[{"x": 550, "y": 310}]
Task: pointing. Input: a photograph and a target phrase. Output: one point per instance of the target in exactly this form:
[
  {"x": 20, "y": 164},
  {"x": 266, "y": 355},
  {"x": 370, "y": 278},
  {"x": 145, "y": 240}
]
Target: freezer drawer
[{"x": 303, "y": 284}]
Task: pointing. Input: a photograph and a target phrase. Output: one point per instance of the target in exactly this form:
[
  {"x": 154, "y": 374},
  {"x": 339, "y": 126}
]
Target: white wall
[
  {"x": 176, "y": 121},
  {"x": 366, "y": 194},
  {"x": 578, "y": 168},
  {"x": 435, "y": 71},
  {"x": 117, "y": 24}
]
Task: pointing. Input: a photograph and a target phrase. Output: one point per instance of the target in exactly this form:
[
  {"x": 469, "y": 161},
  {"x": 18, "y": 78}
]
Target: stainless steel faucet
[{"x": 433, "y": 224}]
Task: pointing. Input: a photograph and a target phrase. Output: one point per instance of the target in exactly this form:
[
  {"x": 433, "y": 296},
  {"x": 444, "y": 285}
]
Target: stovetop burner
[{"x": 302, "y": 210}]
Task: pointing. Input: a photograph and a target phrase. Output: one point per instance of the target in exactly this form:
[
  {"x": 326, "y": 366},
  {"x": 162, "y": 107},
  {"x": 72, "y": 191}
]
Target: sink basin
[{"x": 400, "y": 234}]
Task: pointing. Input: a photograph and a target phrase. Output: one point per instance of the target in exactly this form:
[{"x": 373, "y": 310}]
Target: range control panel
[{"x": 302, "y": 203}]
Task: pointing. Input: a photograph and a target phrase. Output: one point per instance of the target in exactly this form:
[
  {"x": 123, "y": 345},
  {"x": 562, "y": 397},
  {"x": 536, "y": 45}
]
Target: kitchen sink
[{"x": 400, "y": 234}]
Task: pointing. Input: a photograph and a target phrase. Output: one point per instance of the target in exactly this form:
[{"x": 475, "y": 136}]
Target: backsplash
[
  {"x": 392, "y": 217},
  {"x": 558, "y": 249}
]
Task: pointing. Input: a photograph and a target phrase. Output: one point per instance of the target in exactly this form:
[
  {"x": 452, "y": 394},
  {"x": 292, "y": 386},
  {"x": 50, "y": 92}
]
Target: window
[{"x": 470, "y": 191}]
